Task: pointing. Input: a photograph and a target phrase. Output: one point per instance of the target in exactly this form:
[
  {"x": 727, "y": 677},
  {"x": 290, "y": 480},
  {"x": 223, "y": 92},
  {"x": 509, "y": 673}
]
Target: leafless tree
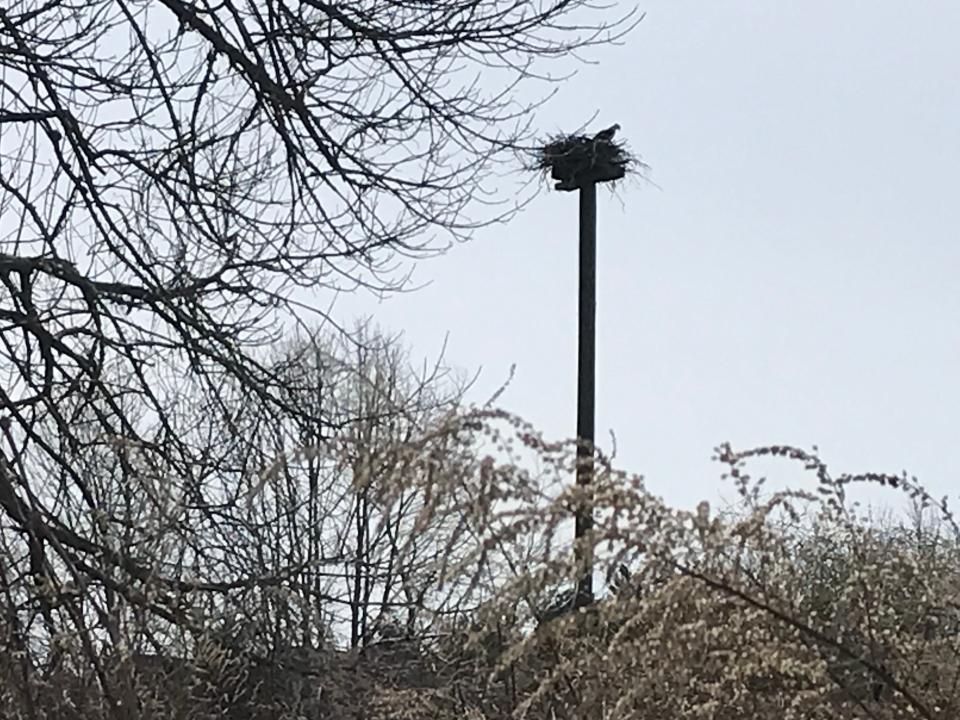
[
  {"x": 336, "y": 517},
  {"x": 294, "y": 545},
  {"x": 177, "y": 181}
]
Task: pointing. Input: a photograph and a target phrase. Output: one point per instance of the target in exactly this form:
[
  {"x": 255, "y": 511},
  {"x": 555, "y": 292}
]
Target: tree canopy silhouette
[
  {"x": 176, "y": 177},
  {"x": 177, "y": 181}
]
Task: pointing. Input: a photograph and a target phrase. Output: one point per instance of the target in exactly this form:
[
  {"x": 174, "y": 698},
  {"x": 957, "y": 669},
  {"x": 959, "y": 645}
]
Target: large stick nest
[{"x": 575, "y": 160}]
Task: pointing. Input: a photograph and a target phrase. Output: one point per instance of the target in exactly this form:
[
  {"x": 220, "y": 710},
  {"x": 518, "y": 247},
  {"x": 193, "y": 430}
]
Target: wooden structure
[{"x": 579, "y": 162}]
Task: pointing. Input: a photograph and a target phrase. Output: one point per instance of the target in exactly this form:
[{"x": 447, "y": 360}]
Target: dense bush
[{"x": 789, "y": 605}]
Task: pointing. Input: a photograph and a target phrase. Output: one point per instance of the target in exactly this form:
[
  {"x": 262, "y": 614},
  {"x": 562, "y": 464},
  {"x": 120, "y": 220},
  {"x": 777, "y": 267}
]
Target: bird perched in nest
[{"x": 607, "y": 135}]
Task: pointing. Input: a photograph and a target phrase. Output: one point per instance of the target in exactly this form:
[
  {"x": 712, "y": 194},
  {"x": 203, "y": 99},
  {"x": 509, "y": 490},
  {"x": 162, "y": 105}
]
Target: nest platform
[{"x": 577, "y": 160}]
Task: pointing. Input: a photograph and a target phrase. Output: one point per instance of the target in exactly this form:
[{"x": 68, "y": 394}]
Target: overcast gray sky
[{"x": 793, "y": 281}]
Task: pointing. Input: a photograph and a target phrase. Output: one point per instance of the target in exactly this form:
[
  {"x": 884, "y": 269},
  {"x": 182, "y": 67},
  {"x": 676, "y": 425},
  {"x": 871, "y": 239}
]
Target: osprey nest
[{"x": 575, "y": 160}]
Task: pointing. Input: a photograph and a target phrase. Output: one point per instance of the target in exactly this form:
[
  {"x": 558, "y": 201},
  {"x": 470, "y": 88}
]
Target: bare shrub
[{"x": 791, "y": 605}]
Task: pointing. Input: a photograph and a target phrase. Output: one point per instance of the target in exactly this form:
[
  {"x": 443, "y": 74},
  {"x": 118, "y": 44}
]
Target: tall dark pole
[
  {"x": 579, "y": 162},
  {"x": 586, "y": 380}
]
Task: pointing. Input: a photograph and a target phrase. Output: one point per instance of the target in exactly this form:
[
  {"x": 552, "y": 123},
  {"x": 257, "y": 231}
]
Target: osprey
[{"x": 607, "y": 135}]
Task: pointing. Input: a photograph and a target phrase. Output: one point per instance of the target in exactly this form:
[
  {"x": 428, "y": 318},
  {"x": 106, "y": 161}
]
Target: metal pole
[{"x": 586, "y": 378}]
